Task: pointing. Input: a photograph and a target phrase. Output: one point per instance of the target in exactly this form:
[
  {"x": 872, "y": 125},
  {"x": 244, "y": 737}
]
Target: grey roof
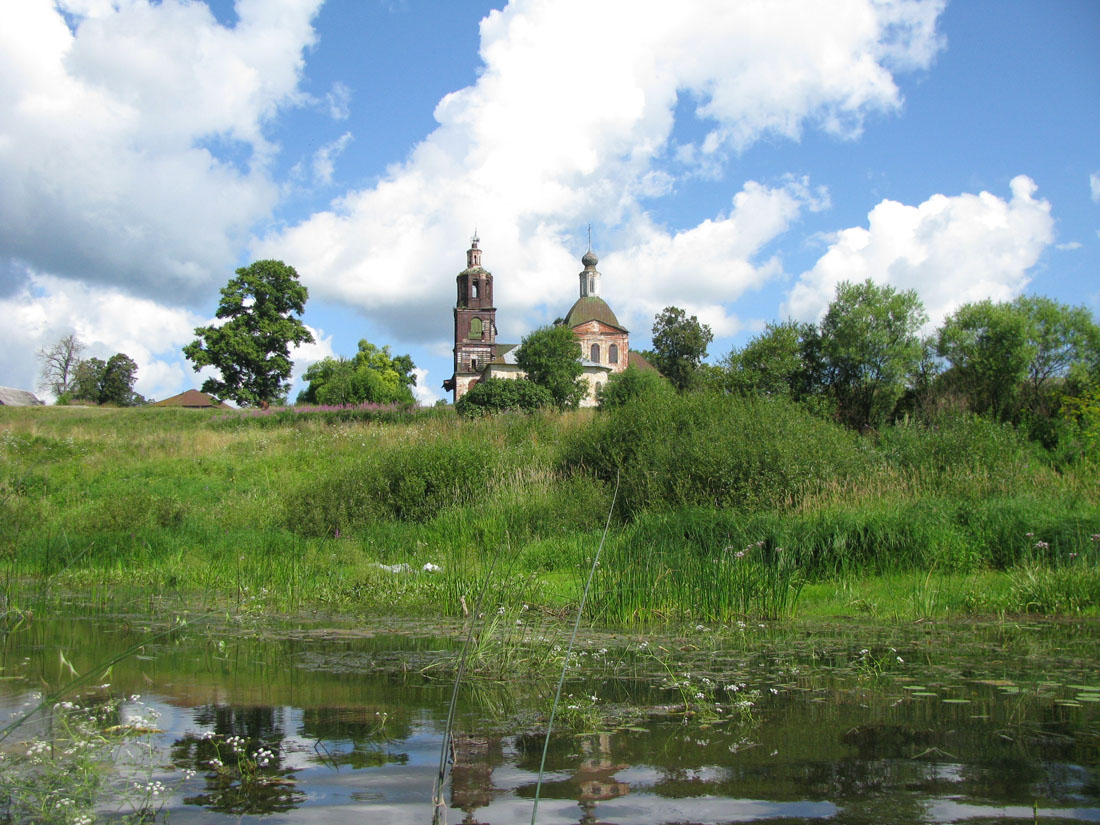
[
  {"x": 506, "y": 354},
  {"x": 11, "y": 397}
]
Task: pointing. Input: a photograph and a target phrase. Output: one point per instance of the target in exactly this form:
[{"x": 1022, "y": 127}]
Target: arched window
[
  {"x": 613, "y": 354},
  {"x": 599, "y": 389},
  {"x": 477, "y": 328},
  {"x": 475, "y": 289},
  {"x": 595, "y": 356},
  {"x": 473, "y": 365}
]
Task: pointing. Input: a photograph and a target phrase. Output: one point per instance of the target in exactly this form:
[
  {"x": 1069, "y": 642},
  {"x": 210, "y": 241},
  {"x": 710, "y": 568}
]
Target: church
[{"x": 605, "y": 343}]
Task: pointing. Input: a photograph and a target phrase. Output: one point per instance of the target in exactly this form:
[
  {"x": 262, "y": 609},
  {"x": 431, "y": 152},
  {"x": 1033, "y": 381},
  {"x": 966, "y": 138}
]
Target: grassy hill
[{"x": 725, "y": 508}]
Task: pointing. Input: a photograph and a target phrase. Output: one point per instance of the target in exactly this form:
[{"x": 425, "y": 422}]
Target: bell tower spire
[
  {"x": 473, "y": 254},
  {"x": 475, "y": 322}
]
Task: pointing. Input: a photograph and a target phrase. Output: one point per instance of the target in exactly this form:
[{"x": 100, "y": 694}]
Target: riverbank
[{"x": 726, "y": 510}]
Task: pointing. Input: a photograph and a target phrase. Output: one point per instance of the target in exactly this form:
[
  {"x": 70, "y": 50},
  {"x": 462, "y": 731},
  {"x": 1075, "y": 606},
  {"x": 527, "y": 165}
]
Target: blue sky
[{"x": 737, "y": 159}]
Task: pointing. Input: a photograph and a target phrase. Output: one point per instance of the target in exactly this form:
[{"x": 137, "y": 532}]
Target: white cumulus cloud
[
  {"x": 132, "y": 144},
  {"x": 570, "y": 121},
  {"x": 951, "y": 250},
  {"x": 106, "y": 321}
]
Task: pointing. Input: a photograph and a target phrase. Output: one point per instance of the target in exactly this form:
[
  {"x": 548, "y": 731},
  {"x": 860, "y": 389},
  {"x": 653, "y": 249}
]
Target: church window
[
  {"x": 475, "y": 289},
  {"x": 473, "y": 365},
  {"x": 613, "y": 354},
  {"x": 595, "y": 353},
  {"x": 477, "y": 328}
]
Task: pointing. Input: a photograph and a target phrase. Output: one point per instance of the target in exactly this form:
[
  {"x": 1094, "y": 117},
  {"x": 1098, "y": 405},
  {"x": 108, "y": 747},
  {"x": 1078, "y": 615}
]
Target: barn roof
[
  {"x": 193, "y": 399},
  {"x": 11, "y": 397}
]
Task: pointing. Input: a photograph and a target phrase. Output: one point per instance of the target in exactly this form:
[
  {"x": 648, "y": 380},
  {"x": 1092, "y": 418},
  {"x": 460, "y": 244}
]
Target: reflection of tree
[
  {"x": 241, "y": 760},
  {"x": 356, "y": 737}
]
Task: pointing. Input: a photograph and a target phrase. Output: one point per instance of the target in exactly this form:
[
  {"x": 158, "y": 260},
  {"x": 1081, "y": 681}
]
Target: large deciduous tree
[
  {"x": 260, "y": 308},
  {"x": 1013, "y": 358},
  {"x": 551, "y": 357},
  {"x": 989, "y": 350},
  {"x": 680, "y": 345},
  {"x": 372, "y": 375},
  {"x": 775, "y": 363},
  {"x": 107, "y": 382},
  {"x": 1066, "y": 341},
  {"x": 870, "y": 349},
  {"x": 58, "y": 365}
]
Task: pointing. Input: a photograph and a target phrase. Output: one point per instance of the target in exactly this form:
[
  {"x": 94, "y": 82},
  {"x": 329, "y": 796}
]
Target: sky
[{"x": 735, "y": 158}]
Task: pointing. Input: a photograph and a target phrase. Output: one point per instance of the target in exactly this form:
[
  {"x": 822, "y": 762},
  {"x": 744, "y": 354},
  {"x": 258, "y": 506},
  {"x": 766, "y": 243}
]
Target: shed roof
[{"x": 11, "y": 397}]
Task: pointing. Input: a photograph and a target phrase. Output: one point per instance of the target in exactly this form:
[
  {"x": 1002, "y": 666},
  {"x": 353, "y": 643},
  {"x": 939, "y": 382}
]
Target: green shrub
[
  {"x": 497, "y": 395},
  {"x": 961, "y": 446},
  {"x": 715, "y": 451},
  {"x": 631, "y": 385}
]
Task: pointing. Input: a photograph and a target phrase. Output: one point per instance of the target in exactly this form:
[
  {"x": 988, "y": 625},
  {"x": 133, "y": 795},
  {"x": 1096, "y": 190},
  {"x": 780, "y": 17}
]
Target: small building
[
  {"x": 605, "y": 343},
  {"x": 11, "y": 397},
  {"x": 193, "y": 400}
]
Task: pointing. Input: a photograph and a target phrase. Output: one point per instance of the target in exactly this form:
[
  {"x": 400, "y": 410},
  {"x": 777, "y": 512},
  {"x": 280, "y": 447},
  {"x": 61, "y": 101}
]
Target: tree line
[
  {"x": 1032, "y": 362},
  {"x": 92, "y": 380}
]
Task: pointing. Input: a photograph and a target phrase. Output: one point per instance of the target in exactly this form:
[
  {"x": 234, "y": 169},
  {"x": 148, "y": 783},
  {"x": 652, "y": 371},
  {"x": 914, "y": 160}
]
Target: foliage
[
  {"x": 84, "y": 759},
  {"x": 680, "y": 343},
  {"x": 989, "y": 350},
  {"x": 251, "y": 349},
  {"x": 371, "y": 376},
  {"x": 1066, "y": 342},
  {"x": 340, "y": 509},
  {"x": 109, "y": 382},
  {"x": 774, "y": 363},
  {"x": 712, "y": 450},
  {"x": 496, "y": 395},
  {"x": 870, "y": 349},
  {"x": 630, "y": 385},
  {"x": 58, "y": 364},
  {"x": 1082, "y": 412},
  {"x": 333, "y": 414},
  {"x": 551, "y": 357}
]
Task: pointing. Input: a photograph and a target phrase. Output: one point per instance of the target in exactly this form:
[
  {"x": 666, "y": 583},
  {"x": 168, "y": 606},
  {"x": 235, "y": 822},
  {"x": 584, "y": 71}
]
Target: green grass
[{"x": 307, "y": 512}]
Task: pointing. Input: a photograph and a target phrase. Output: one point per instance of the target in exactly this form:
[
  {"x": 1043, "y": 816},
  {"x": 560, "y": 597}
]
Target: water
[{"x": 977, "y": 723}]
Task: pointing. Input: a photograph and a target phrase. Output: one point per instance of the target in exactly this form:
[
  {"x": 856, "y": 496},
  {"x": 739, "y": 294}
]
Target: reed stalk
[
  {"x": 438, "y": 806},
  {"x": 569, "y": 652}
]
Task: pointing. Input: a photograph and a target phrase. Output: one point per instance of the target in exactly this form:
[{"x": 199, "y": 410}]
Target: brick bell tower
[{"x": 475, "y": 323}]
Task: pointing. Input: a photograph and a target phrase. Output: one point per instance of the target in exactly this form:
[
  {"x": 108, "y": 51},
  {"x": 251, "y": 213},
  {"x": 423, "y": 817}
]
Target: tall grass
[{"x": 313, "y": 511}]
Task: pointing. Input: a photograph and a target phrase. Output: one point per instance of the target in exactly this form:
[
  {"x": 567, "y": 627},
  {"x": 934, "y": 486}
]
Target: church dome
[
  {"x": 592, "y": 308},
  {"x": 589, "y": 259}
]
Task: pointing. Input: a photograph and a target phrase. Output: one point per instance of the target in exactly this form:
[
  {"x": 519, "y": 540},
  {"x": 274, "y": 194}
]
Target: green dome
[{"x": 592, "y": 309}]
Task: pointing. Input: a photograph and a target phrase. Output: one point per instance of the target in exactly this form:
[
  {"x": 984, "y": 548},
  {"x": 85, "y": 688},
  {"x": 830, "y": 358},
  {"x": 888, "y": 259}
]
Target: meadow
[{"x": 722, "y": 508}]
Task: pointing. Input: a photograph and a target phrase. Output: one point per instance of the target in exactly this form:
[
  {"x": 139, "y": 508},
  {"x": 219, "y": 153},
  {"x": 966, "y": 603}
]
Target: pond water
[{"x": 855, "y": 723}]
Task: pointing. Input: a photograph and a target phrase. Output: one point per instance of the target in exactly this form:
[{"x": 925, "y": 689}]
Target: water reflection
[{"x": 344, "y": 729}]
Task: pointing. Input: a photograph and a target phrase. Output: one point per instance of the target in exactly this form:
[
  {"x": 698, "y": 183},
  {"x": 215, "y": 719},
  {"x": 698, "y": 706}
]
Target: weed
[{"x": 80, "y": 756}]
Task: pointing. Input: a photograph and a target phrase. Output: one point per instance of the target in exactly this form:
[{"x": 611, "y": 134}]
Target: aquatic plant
[{"x": 81, "y": 755}]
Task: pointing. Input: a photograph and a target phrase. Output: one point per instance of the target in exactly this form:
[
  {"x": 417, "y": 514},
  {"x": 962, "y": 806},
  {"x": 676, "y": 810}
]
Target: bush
[
  {"x": 713, "y": 451},
  {"x": 630, "y": 385},
  {"x": 496, "y": 395},
  {"x": 962, "y": 452}
]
